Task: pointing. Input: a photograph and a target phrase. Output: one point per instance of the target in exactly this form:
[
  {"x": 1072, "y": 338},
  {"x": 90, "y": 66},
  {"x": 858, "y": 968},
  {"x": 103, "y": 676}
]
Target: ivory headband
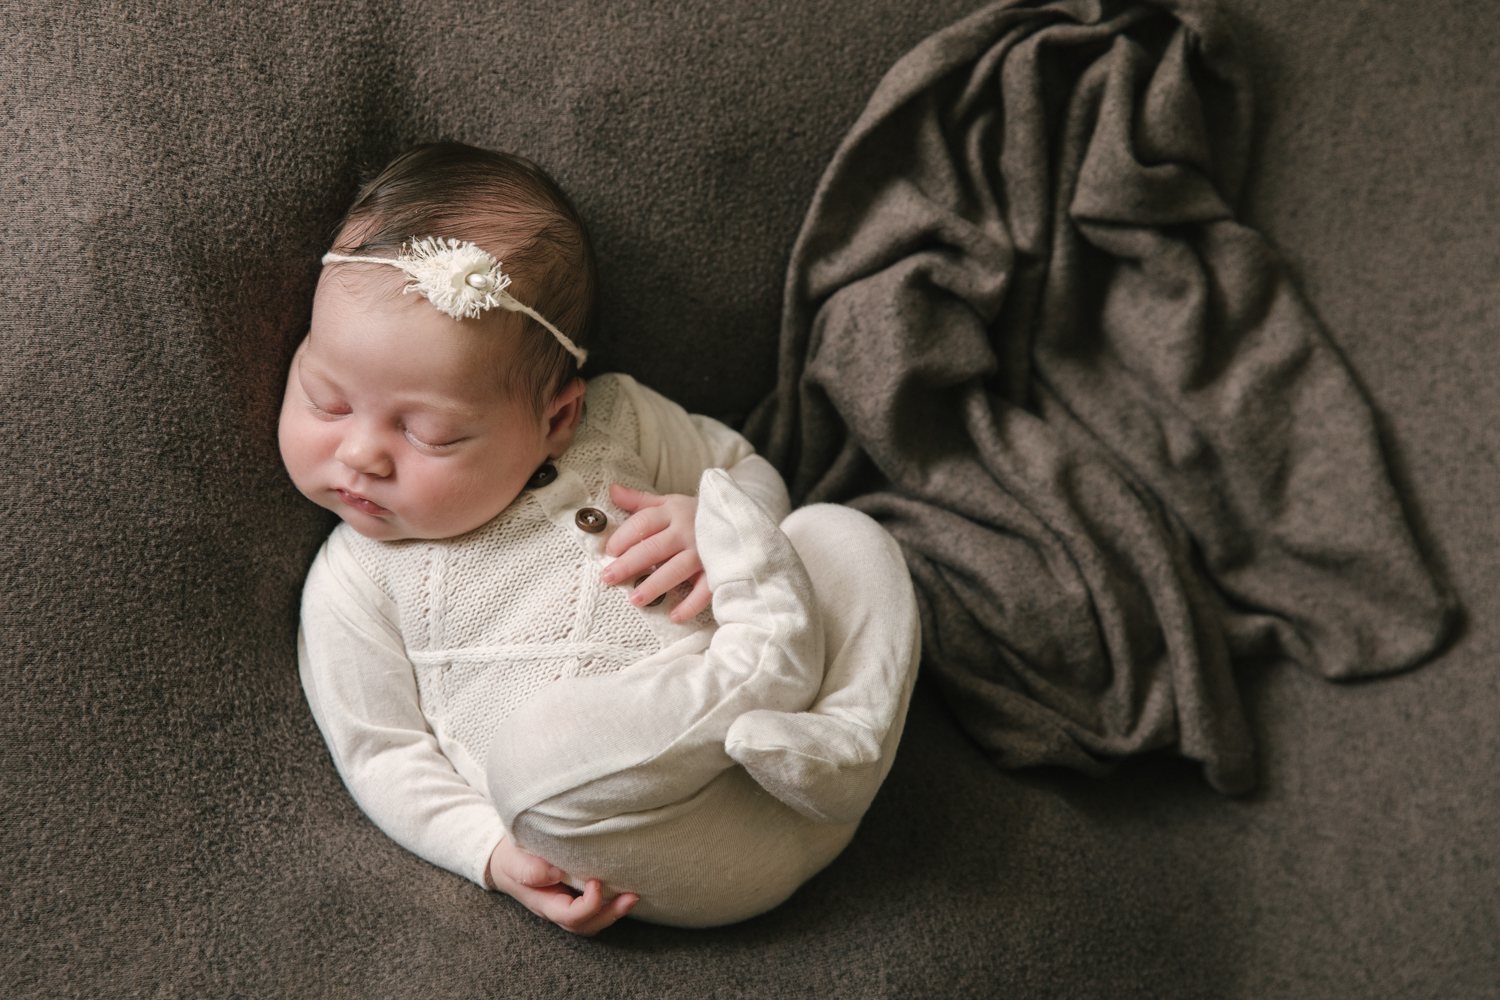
[{"x": 460, "y": 279}]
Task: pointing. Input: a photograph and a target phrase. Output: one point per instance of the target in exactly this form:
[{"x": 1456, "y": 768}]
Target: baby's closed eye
[
  {"x": 327, "y": 408},
  {"x": 443, "y": 442}
]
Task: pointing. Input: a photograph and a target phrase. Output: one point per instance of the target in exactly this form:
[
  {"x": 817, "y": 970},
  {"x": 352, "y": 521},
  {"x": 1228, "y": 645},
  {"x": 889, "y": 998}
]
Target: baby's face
[{"x": 393, "y": 420}]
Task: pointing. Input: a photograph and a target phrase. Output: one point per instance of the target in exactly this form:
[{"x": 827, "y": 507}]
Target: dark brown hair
[{"x": 510, "y": 208}]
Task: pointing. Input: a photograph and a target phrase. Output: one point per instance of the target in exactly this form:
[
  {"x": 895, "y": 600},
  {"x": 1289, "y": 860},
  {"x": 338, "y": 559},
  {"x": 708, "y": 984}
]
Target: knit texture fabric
[{"x": 1119, "y": 453}]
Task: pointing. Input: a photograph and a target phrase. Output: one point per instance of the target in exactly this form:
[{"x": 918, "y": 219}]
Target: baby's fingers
[
  {"x": 675, "y": 570},
  {"x": 611, "y": 912},
  {"x": 618, "y": 907},
  {"x": 631, "y": 500},
  {"x": 589, "y": 913},
  {"x": 528, "y": 869},
  {"x": 638, "y": 527},
  {"x": 695, "y": 601}
]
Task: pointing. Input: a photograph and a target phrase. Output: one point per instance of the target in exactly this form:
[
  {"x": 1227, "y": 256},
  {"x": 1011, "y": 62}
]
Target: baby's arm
[
  {"x": 677, "y": 447},
  {"x": 362, "y": 692}
]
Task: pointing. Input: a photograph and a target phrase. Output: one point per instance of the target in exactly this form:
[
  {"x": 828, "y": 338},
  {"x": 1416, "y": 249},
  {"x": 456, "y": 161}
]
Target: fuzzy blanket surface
[{"x": 1024, "y": 330}]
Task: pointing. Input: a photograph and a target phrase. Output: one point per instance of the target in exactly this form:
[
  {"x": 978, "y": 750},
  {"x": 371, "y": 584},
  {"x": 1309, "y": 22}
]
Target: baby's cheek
[
  {"x": 431, "y": 498},
  {"x": 304, "y": 444},
  {"x": 456, "y": 498}
]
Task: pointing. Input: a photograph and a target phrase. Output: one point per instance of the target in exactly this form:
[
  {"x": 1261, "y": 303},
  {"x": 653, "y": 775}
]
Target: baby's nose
[{"x": 363, "y": 454}]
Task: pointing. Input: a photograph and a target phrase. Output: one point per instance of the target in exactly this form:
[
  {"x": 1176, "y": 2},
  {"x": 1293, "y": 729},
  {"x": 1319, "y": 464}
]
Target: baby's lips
[{"x": 360, "y": 503}]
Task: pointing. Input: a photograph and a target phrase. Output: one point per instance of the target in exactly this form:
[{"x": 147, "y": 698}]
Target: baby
[{"x": 508, "y": 643}]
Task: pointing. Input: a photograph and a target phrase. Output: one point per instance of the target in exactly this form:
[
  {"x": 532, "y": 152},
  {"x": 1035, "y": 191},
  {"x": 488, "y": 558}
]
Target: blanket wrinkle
[{"x": 1025, "y": 331}]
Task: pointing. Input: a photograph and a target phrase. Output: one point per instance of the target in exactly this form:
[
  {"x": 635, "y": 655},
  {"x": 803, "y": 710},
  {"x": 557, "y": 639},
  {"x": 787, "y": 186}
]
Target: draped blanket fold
[{"x": 1024, "y": 330}]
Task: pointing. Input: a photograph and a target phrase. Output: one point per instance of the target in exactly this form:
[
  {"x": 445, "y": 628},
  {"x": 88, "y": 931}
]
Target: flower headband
[{"x": 460, "y": 279}]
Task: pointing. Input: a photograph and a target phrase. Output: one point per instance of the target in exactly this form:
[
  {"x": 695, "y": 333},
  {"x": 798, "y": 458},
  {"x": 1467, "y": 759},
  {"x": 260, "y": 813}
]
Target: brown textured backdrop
[{"x": 172, "y": 825}]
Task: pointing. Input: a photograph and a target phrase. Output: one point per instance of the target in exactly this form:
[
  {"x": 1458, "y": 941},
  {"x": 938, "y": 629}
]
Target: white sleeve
[
  {"x": 678, "y": 447},
  {"x": 363, "y": 693}
]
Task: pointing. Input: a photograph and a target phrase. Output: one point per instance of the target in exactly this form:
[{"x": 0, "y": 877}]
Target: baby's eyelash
[
  {"x": 318, "y": 409},
  {"x": 428, "y": 445}
]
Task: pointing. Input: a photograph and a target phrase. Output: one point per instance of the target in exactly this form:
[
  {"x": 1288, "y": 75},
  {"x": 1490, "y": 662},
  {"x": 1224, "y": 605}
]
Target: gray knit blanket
[{"x": 1024, "y": 330}]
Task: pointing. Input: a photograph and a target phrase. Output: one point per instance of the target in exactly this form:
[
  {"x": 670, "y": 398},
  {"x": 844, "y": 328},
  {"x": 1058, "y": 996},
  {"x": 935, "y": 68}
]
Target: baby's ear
[{"x": 562, "y": 416}]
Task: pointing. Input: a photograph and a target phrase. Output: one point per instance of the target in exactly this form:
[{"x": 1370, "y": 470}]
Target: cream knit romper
[{"x": 624, "y": 744}]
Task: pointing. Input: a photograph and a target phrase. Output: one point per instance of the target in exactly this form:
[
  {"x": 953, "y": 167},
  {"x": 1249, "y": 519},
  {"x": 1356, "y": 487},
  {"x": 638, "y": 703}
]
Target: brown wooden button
[
  {"x": 543, "y": 476},
  {"x": 659, "y": 597},
  {"x": 590, "y": 520}
]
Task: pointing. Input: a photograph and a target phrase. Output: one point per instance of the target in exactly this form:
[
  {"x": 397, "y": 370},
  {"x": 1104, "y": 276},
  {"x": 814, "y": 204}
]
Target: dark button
[
  {"x": 659, "y": 597},
  {"x": 545, "y": 473},
  {"x": 590, "y": 520}
]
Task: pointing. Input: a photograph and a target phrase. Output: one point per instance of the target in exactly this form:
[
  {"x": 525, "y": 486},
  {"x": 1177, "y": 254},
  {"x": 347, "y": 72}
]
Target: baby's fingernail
[{"x": 555, "y": 874}]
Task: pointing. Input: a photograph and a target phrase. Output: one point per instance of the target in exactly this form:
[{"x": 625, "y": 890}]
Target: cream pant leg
[{"x": 632, "y": 778}]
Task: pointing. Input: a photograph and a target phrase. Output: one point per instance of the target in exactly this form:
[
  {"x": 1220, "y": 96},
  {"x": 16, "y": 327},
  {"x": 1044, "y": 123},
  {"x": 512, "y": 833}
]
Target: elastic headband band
[{"x": 460, "y": 279}]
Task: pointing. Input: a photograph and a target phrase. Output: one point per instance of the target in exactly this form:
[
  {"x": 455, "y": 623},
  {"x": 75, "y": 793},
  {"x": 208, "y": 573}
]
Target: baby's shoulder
[
  {"x": 612, "y": 406},
  {"x": 610, "y": 401},
  {"x": 623, "y": 408}
]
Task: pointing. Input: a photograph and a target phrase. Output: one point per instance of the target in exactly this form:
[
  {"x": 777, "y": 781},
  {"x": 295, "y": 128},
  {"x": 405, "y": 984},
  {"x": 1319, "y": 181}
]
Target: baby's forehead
[{"x": 369, "y": 282}]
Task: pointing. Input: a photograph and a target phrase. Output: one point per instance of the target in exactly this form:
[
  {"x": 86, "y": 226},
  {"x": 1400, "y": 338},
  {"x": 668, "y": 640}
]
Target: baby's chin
[
  {"x": 379, "y": 531},
  {"x": 370, "y": 526}
]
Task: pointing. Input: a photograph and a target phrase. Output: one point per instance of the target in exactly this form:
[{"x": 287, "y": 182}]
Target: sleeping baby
[{"x": 568, "y": 641}]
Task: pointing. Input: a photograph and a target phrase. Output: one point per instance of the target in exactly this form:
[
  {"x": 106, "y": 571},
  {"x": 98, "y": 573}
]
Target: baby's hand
[
  {"x": 659, "y": 533},
  {"x": 538, "y": 886}
]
